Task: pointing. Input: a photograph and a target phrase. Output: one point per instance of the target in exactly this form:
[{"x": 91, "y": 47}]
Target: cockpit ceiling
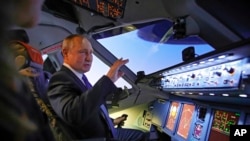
[
  {"x": 155, "y": 31},
  {"x": 61, "y": 9},
  {"x": 228, "y": 20},
  {"x": 234, "y": 14}
]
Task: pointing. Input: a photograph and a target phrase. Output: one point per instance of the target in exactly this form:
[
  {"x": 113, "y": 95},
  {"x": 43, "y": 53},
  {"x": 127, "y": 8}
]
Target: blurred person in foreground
[
  {"x": 21, "y": 118},
  {"x": 79, "y": 104}
]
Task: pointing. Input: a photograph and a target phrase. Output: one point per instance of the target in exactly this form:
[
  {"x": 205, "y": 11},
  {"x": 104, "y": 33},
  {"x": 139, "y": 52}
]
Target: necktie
[
  {"x": 86, "y": 81},
  {"x": 103, "y": 109}
]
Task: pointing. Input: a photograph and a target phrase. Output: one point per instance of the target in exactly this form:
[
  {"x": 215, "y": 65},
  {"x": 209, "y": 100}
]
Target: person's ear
[{"x": 64, "y": 52}]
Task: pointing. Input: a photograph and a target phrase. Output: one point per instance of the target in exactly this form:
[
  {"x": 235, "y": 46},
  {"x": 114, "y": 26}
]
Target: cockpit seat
[{"x": 29, "y": 62}]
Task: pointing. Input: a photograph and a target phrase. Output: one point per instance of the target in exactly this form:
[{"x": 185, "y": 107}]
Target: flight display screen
[
  {"x": 221, "y": 124},
  {"x": 185, "y": 120},
  {"x": 109, "y": 8},
  {"x": 172, "y": 115},
  {"x": 247, "y": 120},
  {"x": 197, "y": 130}
]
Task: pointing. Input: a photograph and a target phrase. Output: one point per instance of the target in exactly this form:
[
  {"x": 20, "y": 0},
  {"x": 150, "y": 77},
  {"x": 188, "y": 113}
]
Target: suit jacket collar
[{"x": 76, "y": 79}]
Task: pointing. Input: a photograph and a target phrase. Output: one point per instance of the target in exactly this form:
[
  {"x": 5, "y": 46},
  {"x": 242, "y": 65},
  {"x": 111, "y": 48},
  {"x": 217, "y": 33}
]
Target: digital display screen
[
  {"x": 221, "y": 124},
  {"x": 185, "y": 120},
  {"x": 197, "y": 130},
  {"x": 109, "y": 8},
  {"x": 247, "y": 120},
  {"x": 172, "y": 115}
]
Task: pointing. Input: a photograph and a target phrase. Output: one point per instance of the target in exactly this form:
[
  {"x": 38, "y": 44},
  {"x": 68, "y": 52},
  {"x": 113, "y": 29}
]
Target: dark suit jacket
[{"x": 78, "y": 107}]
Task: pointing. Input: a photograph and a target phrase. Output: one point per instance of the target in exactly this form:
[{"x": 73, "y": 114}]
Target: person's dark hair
[{"x": 19, "y": 35}]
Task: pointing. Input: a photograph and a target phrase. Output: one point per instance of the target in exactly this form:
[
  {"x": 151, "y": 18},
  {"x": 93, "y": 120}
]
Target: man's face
[{"x": 80, "y": 55}]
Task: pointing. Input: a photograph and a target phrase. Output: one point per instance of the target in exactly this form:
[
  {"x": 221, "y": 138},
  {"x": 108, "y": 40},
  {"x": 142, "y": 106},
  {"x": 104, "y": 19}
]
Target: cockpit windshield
[
  {"x": 148, "y": 56},
  {"x": 146, "y": 49}
]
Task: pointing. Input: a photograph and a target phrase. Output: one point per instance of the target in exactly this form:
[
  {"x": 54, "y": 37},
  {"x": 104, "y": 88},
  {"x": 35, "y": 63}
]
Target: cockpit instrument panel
[
  {"x": 226, "y": 75},
  {"x": 109, "y": 8}
]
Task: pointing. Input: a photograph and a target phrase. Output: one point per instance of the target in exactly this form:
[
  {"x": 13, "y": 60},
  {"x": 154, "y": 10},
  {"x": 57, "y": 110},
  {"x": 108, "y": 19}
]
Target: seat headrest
[{"x": 25, "y": 55}]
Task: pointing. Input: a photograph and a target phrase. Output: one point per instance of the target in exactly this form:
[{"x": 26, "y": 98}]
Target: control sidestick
[{"x": 122, "y": 122}]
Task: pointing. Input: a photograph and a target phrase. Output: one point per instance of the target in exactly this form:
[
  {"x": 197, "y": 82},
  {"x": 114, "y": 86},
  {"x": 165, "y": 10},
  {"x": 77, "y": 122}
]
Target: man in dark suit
[{"x": 79, "y": 104}]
